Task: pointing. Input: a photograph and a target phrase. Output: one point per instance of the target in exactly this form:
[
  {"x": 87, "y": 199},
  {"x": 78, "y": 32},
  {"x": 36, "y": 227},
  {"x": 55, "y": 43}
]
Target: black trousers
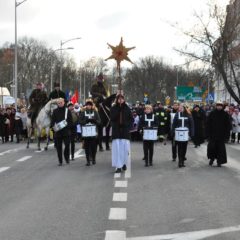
[
  {"x": 90, "y": 145},
  {"x": 148, "y": 147},
  {"x": 59, "y": 142},
  {"x": 72, "y": 144},
  {"x": 233, "y": 137},
  {"x": 174, "y": 149},
  {"x": 182, "y": 150}
]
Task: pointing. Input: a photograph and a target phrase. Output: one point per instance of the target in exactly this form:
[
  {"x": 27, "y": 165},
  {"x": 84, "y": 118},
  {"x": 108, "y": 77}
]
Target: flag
[
  {"x": 74, "y": 98},
  {"x": 67, "y": 95}
]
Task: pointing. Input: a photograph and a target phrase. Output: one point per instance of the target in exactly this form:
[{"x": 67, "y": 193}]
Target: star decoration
[{"x": 120, "y": 53}]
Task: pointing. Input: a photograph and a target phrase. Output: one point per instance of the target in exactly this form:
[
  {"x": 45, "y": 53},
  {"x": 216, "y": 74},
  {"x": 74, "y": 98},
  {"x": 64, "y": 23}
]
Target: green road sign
[{"x": 185, "y": 93}]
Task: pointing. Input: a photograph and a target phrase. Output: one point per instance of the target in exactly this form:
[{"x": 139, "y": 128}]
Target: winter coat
[
  {"x": 58, "y": 116},
  {"x": 18, "y": 125},
  {"x": 218, "y": 125},
  {"x": 144, "y": 121},
  {"x": 236, "y": 123},
  {"x": 57, "y": 94},
  {"x": 121, "y": 119},
  {"x": 188, "y": 123},
  {"x": 199, "y": 126}
]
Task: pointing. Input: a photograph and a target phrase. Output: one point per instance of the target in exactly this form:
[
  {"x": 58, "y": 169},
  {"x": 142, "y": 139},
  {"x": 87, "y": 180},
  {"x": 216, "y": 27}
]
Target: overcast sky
[{"x": 141, "y": 23}]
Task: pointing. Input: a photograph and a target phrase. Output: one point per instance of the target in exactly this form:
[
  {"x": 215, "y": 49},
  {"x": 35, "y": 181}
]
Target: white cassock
[{"x": 120, "y": 152}]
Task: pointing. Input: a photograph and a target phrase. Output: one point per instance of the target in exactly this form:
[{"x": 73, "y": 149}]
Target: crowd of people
[{"x": 150, "y": 123}]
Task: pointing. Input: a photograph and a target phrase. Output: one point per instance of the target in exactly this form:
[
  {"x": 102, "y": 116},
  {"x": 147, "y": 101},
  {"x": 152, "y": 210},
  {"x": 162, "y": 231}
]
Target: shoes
[
  {"x": 118, "y": 170},
  {"x": 93, "y": 162},
  {"x": 219, "y": 165},
  {"x": 124, "y": 168},
  {"x": 67, "y": 162},
  {"x": 88, "y": 164},
  {"x": 146, "y": 164},
  {"x": 174, "y": 159},
  {"x": 60, "y": 164},
  {"x": 150, "y": 164},
  {"x": 101, "y": 149},
  {"x": 72, "y": 158},
  {"x": 108, "y": 148},
  {"x": 211, "y": 162},
  {"x": 143, "y": 158},
  {"x": 196, "y": 146}
]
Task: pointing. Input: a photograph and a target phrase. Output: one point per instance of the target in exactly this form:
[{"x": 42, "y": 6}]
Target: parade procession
[{"x": 129, "y": 130}]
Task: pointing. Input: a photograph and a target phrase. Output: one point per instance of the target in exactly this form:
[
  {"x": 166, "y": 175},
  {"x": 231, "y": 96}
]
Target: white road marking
[
  {"x": 39, "y": 151},
  {"x": 197, "y": 235},
  {"x": 115, "y": 235},
  {"x": 11, "y": 150},
  {"x": 117, "y": 214},
  {"x": 78, "y": 154},
  {"x": 24, "y": 158},
  {"x": 119, "y": 197},
  {"x": 2, "y": 169},
  {"x": 121, "y": 184},
  {"x": 129, "y": 170},
  {"x": 117, "y": 175}
]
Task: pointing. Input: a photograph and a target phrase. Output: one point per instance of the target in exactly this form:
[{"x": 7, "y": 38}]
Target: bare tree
[{"x": 214, "y": 40}]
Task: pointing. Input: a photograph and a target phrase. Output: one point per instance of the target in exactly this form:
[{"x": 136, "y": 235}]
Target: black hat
[
  {"x": 89, "y": 102},
  {"x": 56, "y": 84},
  {"x": 69, "y": 104}
]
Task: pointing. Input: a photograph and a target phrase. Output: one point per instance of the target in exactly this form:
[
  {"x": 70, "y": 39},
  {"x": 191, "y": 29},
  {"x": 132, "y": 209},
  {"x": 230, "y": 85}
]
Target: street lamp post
[
  {"x": 61, "y": 60},
  {"x": 15, "y": 53},
  {"x": 51, "y": 75}
]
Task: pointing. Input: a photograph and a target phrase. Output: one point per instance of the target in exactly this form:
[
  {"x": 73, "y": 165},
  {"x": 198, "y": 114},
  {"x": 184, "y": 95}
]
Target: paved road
[{"x": 41, "y": 201}]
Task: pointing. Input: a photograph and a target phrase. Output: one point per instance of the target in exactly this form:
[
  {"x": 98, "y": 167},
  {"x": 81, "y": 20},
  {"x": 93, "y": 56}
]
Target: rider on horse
[
  {"x": 99, "y": 90},
  {"x": 37, "y": 100}
]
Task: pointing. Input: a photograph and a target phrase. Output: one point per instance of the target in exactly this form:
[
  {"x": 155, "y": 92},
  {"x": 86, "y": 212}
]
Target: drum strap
[
  {"x": 88, "y": 114},
  {"x": 181, "y": 118},
  {"x": 149, "y": 120}
]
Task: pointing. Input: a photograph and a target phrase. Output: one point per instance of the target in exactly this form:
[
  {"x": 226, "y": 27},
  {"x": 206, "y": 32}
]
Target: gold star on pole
[{"x": 120, "y": 53}]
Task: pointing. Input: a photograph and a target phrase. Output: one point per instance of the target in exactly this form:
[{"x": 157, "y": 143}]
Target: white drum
[
  {"x": 59, "y": 126},
  {"x": 181, "y": 134},
  {"x": 89, "y": 131},
  {"x": 150, "y": 134}
]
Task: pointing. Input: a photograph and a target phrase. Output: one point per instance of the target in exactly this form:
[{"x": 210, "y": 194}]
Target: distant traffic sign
[{"x": 185, "y": 93}]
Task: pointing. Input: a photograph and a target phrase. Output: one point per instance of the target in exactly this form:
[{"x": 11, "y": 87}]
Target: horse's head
[{"x": 51, "y": 105}]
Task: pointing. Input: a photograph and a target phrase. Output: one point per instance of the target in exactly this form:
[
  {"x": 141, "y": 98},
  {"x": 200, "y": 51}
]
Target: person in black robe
[
  {"x": 218, "y": 131},
  {"x": 199, "y": 128}
]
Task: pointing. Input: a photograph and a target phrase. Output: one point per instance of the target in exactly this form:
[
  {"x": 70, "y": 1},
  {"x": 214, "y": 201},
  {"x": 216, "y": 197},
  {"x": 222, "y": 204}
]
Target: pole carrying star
[{"x": 120, "y": 53}]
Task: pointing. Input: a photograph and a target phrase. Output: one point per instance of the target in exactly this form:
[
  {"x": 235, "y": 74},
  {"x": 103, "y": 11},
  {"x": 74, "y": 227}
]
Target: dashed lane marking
[
  {"x": 11, "y": 150},
  {"x": 117, "y": 214},
  {"x": 115, "y": 235},
  {"x": 119, "y": 197},
  {"x": 117, "y": 175},
  {"x": 24, "y": 158},
  {"x": 2, "y": 169},
  {"x": 121, "y": 184}
]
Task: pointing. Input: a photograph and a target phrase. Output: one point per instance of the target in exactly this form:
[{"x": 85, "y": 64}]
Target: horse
[
  {"x": 104, "y": 113},
  {"x": 43, "y": 120}
]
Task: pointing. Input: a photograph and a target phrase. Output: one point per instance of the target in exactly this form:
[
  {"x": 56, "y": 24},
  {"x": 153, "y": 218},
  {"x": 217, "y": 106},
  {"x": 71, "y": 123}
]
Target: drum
[
  {"x": 89, "y": 131},
  {"x": 59, "y": 126},
  {"x": 150, "y": 134},
  {"x": 181, "y": 134}
]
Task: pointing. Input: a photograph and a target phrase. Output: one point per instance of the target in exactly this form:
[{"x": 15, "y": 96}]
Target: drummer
[
  {"x": 148, "y": 121},
  {"x": 89, "y": 118},
  {"x": 182, "y": 122}
]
